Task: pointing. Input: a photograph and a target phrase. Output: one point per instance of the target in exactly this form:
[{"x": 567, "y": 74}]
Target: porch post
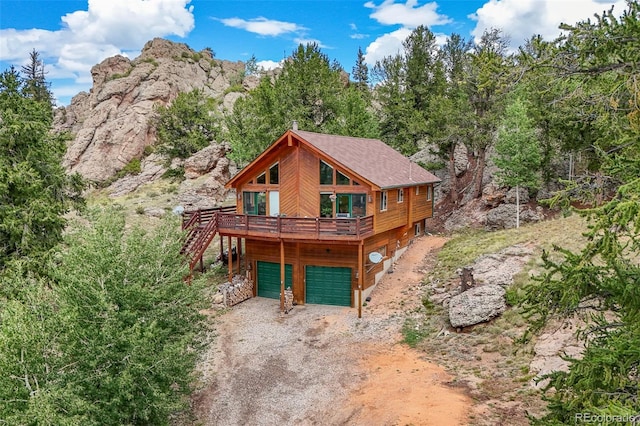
[
  {"x": 360, "y": 277},
  {"x": 239, "y": 242},
  {"x": 282, "y": 275},
  {"x": 230, "y": 258}
]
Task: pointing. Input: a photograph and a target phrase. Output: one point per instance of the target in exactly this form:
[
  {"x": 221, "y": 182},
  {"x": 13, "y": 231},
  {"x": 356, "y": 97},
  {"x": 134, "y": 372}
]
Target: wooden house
[{"x": 325, "y": 215}]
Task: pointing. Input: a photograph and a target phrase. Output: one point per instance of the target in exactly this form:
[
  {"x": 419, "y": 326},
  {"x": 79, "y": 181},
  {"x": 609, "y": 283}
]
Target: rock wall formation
[{"x": 111, "y": 123}]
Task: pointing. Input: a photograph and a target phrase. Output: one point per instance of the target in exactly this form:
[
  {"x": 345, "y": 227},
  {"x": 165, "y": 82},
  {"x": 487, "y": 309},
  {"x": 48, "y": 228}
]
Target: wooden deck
[
  {"x": 292, "y": 228},
  {"x": 295, "y": 228}
]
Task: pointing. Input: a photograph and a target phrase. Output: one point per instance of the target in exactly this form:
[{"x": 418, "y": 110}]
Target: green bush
[{"x": 110, "y": 337}]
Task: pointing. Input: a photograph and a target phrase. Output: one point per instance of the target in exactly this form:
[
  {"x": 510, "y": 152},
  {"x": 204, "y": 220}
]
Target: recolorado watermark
[{"x": 607, "y": 419}]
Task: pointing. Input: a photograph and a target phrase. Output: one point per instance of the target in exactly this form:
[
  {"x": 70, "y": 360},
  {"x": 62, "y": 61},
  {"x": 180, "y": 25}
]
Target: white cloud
[
  {"x": 268, "y": 65},
  {"x": 304, "y": 41},
  {"x": 387, "y": 45},
  {"x": 130, "y": 23},
  {"x": 87, "y": 37},
  {"x": 263, "y": 26},
  {"x": 521, "y": 19},
  {"x": 408, "y": 14}
]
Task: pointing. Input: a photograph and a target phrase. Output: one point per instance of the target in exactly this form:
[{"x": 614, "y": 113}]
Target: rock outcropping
[{"x": 110, "y": 124}]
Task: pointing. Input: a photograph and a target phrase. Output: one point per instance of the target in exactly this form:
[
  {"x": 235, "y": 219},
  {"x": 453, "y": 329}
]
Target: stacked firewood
[
  {"x": 288, "y": 300},
  {"x": 238, "y": 290}
]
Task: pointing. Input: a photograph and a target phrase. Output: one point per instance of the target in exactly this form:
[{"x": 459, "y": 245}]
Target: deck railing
[
  {"x": 320, "y": 228},
  {"x": 296, "y": 227}
]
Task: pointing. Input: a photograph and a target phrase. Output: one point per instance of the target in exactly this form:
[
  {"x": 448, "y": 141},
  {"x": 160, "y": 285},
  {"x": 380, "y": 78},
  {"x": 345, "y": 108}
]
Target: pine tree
[
  {"x": 600, "y": 284},
  {"x": 35, "y": 84},
  {"x": 35, "y": 191},
  {"x": 360, "y": 73}
]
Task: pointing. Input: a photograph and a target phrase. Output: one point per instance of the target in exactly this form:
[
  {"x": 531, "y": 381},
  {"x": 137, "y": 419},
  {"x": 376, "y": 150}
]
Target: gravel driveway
[
  {"x": 270, "y": 368},
  {"x": 305, "y": 367}
]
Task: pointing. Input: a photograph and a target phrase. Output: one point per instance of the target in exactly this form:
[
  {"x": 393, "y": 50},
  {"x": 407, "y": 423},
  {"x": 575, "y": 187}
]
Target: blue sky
[{"x": 72, "y": 36}]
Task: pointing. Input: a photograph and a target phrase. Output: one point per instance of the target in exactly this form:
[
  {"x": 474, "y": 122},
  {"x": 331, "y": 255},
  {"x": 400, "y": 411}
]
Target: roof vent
[{"x": 295, "y": 125}]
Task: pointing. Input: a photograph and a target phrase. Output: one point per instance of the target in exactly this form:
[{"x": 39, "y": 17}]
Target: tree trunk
[
  {"x": 453, "y": 179},
  {"x": 477, "y": 190},
  {"x": 517, "y": 206}
]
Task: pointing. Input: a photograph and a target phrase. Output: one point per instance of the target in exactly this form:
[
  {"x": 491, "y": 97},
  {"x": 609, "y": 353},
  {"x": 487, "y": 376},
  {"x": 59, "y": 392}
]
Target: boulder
[
  {"x": 510, "y": 197},
  {"x": 477, "y": 305},
  {"x": 152, "y": 167},
  {"x": 205, "y": 160},
  {"x": 499, "y": 268}
]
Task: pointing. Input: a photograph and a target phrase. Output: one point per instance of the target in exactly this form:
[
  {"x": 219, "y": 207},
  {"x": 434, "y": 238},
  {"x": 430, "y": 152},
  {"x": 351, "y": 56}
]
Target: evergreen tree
[
  {"x": 187, "y": 125},
  {"x": 35, "y": 84},
  {"x": 109, "y": 337},
  {"x": 450, "y": 115},
  {"x": 601, "y": 283},
  {"x": 488, "y": 84},
  {"x": 35, "y": 191},
  {"x": 311, "y": 90},
  {"x": 407, "y": 85},
  {"x": 360, "y": 73}
]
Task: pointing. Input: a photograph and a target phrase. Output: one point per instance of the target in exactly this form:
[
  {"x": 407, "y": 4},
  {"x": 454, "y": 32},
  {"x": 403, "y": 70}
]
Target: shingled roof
[{"x": 370, "y": 158}]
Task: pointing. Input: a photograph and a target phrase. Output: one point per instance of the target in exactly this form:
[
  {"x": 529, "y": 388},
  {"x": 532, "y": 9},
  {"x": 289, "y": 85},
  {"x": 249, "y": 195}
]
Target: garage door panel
[
  {"x": 269, "y": 279},
  {"x": 328, "y": 285}
]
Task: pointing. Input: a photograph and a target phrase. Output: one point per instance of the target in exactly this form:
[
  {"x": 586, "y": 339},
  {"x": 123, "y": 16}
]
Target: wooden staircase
[{"x": 201, "y": 226}]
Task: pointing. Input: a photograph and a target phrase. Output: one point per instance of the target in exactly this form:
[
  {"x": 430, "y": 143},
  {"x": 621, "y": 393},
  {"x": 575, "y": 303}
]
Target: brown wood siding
[
  {"x": 395, "y": 215},
  {"x": 388, "y": 239},
  {"x": 422, "y": 208},
  {"x": 299, "y": 255},
  {"x": 309, "y": 180},
  {"x": 289, "y": 172}
]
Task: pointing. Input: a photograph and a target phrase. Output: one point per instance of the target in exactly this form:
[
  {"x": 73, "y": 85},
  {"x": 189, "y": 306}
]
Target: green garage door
[
  {"x": 328, "y": 285},
  {"x": 269, "y": 279}
]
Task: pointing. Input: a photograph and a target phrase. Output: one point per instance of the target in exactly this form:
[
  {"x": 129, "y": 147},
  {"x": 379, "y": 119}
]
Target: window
[
  {"x": 273, "y": 174},
  {"x": 383, "y": 201},
  {"x": 429, "y": 192},
  {"x": 326, "y": 205},
  {"x": 254, "y": 203},
  {"x": 400, "y": 195},
  {"x": 416, "y": 229},
  {"x": 326, "y": 174},
  {"x": 261, "y": 179},
  {"x": 417, "y": 190},
  {"x": 358, "y": 205},
  {"x": 341, "y": 179},
  {"x": 382, "y": 250}
]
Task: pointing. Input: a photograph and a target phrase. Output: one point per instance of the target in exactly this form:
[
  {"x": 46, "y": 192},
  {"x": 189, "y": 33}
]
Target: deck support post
[
  {"x": 360, "y": 277},
  {"x": 230, "y": 258},
  {"x": 239, "y": 244},
  {"x": 282, "y": 275}
]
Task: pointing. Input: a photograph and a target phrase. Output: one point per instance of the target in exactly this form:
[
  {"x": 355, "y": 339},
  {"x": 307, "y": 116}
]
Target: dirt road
[{"x": 321, "y": 365}]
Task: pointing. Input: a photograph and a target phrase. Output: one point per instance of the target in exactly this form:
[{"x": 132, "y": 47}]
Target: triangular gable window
[{"x": 341, "y": 179}]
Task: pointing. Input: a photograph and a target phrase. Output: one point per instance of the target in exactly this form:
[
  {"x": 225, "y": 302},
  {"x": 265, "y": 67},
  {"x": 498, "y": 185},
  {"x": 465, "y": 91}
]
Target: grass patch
[
  {"x": 414, "y": 332},
  {"x": 464, "y": 248}
]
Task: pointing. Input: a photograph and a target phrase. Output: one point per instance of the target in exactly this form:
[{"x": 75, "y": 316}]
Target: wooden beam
[
  {"x": 360, "y": 277},
  {"x": 239, "y": 251},
  {"x": 230, "y": 258},
  {"x": 282, "y": 276}
]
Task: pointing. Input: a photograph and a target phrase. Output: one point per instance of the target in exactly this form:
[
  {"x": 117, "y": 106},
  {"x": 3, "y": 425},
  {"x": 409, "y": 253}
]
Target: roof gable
[{"x": 370, "y": 159}]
